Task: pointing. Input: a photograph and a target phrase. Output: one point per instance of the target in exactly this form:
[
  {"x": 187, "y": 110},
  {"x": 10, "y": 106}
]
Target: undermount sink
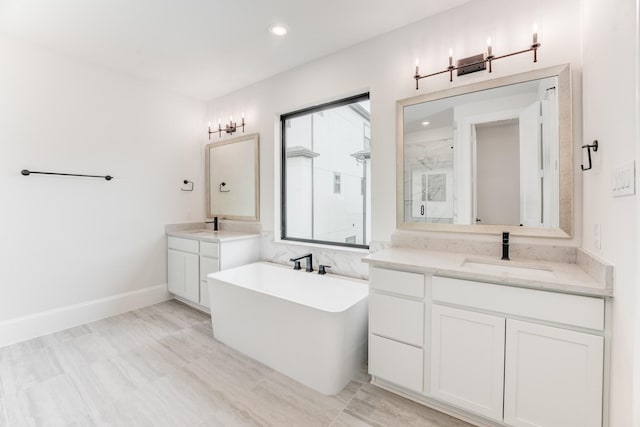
[
  {"x": 200, "y": 232},
  {"x": 533, "y": 271}
]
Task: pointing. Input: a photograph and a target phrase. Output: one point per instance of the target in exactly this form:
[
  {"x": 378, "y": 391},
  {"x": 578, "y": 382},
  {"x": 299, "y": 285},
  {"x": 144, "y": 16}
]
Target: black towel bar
[{"x": 27, "y": 172}]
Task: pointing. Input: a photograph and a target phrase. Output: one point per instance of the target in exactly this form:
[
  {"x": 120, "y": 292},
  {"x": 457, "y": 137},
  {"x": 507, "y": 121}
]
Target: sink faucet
[
  {"x": 505, "y": 245},
  {"x": 309, "y": 258},
  {"x": 214, "y": 222}
]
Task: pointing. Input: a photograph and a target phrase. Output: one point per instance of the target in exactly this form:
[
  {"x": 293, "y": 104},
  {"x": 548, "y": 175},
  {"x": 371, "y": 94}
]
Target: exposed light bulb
[{"x": 278, "y": 30}]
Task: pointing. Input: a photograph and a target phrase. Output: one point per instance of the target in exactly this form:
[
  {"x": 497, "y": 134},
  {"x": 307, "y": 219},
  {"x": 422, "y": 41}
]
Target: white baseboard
[{"x": 36, "y": 325}]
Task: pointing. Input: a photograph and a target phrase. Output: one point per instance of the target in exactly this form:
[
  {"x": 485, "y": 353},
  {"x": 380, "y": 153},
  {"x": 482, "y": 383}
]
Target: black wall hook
[{"x": 589, "y": 147}]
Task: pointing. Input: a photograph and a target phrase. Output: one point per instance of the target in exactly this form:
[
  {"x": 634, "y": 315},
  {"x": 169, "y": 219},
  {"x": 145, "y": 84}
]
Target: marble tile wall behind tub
[
  {"x": 550, "y": 253},
  {"x": 344, "y": 262}
]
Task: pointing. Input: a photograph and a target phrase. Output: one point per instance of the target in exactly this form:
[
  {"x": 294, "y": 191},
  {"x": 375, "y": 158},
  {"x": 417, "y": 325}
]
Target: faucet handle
[
  {"x": 296, "y": 264},
  {"x": 321, "y": 269}
]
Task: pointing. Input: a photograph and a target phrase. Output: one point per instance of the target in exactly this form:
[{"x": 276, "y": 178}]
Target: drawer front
[
  {"x": 576, "y": 310},
  {"x": 396, "y": 318},
  {"x": 399, "y": 282},
  {"x": 204, "y": 294},
  {"x": 395, "y": 362},
  {"x": 210, "y": 249},
  {"x": 208, "y": 266},
  {"x": 186, "y": 245}
]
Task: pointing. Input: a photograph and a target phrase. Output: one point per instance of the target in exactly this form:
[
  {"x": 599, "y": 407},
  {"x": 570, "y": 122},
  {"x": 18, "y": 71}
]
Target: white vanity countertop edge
[
  {"x": 212, "y": 236},
  {"x": 570, "y": 278}
]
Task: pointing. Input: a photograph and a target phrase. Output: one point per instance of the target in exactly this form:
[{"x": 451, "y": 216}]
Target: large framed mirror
[
  {"x": 232, "y": 177},
  {"x": 489, "y": 157}
]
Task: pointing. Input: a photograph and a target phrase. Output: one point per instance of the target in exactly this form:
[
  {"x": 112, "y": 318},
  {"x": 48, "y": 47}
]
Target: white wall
[
  {"x": 67, "y": 241},
  {"x": 611, "y": 116}
]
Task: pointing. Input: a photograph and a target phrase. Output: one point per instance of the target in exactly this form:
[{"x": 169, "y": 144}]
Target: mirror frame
[
  {"x": 256, "y": 164},
  {"x": 565, "y": 155}
]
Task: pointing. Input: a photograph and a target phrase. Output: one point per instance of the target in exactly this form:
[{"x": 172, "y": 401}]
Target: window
[
  {"x": 336, "y": 183},
  {"x": 326, "y": 153}
]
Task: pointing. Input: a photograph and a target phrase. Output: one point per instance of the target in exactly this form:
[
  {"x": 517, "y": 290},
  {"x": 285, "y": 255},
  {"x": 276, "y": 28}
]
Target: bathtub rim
[{"x": 211, "y": 280}]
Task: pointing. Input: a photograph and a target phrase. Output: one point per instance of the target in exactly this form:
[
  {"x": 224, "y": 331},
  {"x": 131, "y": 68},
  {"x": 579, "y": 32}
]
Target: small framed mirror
[
  {"x": 232, "y": 177},
  {"x": 489, "y": 157}
]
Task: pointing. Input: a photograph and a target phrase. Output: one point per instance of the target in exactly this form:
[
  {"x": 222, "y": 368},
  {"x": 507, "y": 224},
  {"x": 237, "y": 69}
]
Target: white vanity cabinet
[
  {"x": 494, "y": 354},
  {"x": 189, "y": 261},
  {"x": 547, "y": 375}
]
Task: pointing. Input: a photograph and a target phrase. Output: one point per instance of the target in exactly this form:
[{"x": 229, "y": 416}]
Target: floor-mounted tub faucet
[
  {"x": 505, "y": 245},
  {"x": 296, "y": 262}
]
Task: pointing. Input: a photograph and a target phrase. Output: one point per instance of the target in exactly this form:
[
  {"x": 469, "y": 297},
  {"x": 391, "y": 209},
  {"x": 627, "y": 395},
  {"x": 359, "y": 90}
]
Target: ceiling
[{"x": 206, "y": 48}]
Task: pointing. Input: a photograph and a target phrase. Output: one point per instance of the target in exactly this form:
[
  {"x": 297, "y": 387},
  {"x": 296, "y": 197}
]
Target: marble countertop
[
  {"x": 544, "y": 275},
  {"x": 212, "y": 236}
]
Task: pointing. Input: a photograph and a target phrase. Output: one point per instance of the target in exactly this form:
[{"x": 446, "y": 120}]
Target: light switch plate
[{"x": 623, "y": 180}]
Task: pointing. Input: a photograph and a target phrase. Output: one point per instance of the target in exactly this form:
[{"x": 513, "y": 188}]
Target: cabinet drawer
[
  {"x": 204, "y": 294},
  {"x": 397, "y": 318},
  {"x": 399, "y": 282},
  {"x": 208, "y": 266},
  {"x": 210, "y": 249},
  {"x": 576, "y": 310},
  {"x": 398, "y": 363},
  {"x": 186, "y": 245}
]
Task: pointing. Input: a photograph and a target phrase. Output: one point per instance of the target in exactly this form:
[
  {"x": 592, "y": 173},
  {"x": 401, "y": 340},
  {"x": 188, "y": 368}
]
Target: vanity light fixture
[
  {"x": 478, "y": 62},
  {"x": 426, "y": 123},
  {"x": 229, "y": 128}
]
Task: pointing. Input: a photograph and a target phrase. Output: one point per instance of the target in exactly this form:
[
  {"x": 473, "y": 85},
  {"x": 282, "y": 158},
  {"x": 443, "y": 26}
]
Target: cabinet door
[
  {"x": 192, "y": 277},
  {"x": 553, "y": 377},
  {"x": 183, "y": 275},
  {"x": 467, "y": 360},
  {"x": 175, "y": 272}
]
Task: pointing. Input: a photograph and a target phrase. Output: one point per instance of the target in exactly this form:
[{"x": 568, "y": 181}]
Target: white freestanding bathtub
[{"x": 310, "y": 327}]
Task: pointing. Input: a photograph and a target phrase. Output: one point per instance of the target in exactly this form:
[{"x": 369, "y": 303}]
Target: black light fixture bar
[{"x": 488, "y": 59}]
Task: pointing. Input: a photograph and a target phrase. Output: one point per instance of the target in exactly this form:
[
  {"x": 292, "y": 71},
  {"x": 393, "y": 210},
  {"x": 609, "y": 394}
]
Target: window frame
[{"x": 283, "y": 166}]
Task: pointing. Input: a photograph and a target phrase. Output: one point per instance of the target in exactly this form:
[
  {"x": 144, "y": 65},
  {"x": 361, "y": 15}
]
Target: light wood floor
[{"x": 160, "y": 366}]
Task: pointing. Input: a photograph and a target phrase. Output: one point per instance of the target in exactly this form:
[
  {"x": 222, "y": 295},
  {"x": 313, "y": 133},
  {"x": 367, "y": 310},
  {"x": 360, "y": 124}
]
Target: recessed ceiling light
[
  {"x": 425, "y": 123},
  {"x": 278, "y": 30}
]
